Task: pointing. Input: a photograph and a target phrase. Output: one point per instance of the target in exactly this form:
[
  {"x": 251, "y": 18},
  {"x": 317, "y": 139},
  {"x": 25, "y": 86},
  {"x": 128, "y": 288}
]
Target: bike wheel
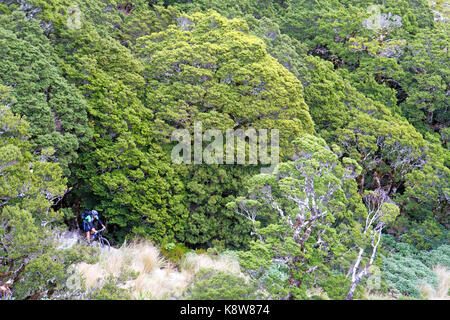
[{"x": 104, "y": 243}]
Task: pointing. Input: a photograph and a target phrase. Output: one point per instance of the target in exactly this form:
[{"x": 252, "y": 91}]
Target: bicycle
[{"x": 104, "y": 243}]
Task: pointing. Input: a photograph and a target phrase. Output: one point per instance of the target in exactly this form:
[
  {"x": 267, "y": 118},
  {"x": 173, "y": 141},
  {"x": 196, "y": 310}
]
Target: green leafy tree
[
  {"x": 206, "y": 68},
  {"x": 387, "y": 149},
  {"x": 427, "y": 81},
  {"x": 380, "y": 213},
  {"x": 209, "y": 188},
  {"x": 26, "y": 182},
  {"x": 28, "y": 189},
  {"x": 124, "y": 172},
  {"x": 55, "y": 110},
  {"x": 232, "y": 85},
  {"x": 299, "y": 215},
  {"x": 425, "y": 201}
]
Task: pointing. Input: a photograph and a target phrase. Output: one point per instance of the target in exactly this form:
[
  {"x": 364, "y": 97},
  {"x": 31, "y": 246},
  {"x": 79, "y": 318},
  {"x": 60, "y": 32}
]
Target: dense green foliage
[
  {"x": 28, "y": 187},
  {"x": 91, "y": 92},
  {"x": 55, "y": 109},
  {"x": 407, "y": 268},
  {"x": 211, "y": 285}
]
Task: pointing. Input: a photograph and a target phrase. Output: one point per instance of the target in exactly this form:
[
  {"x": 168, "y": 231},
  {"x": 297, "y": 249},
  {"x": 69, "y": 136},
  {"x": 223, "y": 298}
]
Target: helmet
[{"x": 94, "y": 212}]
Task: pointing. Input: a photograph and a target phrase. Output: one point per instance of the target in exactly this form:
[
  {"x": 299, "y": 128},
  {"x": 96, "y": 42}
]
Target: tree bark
[
  {"x": 352, "y": 290},
  {"x": 360, "y": 181}
]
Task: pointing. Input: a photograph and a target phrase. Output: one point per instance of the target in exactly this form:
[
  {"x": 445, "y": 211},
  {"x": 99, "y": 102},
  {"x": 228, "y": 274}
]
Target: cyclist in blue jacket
[{"x": 89, "y": 219}]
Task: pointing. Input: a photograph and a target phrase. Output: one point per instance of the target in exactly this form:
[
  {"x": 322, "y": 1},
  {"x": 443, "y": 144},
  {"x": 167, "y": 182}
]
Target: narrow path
[{"x": 68, "y": 239}]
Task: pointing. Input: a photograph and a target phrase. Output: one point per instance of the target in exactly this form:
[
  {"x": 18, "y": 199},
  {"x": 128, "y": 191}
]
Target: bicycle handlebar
[{"x": 102, "y": 229}]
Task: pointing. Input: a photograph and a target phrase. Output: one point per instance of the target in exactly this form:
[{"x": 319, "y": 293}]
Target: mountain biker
[{"x": 89, "y": 219}]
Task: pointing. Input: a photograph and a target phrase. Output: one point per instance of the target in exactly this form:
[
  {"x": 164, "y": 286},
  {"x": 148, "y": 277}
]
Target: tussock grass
[
  {"x": 91, "y": 273},
  {"x": 160, "y": 284},
  {"x": 143, "y": 257},
  {"x": 441, "y": 292},
  {"x": 154, "y": 277},
  {"x": 226, "y": 263}
]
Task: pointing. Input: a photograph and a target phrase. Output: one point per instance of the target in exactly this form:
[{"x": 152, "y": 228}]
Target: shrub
[
  {"x": 407, "y": 273},
  {"x": 208, "y": 284},
  {"x": 337, "y": 287},
  {"x": 174, "y": 252},
  {"x": 439, "y": 256},
  {"x": 111, "y": 291}
]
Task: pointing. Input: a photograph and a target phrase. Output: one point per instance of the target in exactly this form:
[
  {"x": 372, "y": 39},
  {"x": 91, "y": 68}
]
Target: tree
[
  {"x": 54, "y": 108},
  {"x": 298, "y": 214},
  {"x": 24, "y": 181},
  {"x": 207, "y": 68},
  {"x": 387, "y": 149},
  {"x": 427, "y": 80},
  {"x": 208, "y": 190},
  {"x": 236, "y": 84},
  {"x": 28, "y": 189},
  {"x": 381, "y": 24},
  {"x": 424, "y": 203},
  {"x": 381, "y": 211},
  {"x": 124, "y": 172}
]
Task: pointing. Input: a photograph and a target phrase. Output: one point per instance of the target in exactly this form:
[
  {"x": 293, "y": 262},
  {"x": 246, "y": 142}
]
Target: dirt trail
[{"x": 68, "y": 239}]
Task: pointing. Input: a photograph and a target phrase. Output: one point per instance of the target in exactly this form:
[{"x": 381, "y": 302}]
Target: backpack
[{"x": 85, "y": 214}]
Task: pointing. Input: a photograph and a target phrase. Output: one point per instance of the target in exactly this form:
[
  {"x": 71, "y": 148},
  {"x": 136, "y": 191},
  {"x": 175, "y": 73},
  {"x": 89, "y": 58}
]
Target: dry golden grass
[
  {"x": 92, "y": 273},
  {"x": 194, "y": 262},
  {"x": 143, "y": 257},
  {"x": 159, "y": 279},
  {"x": 156, "y": 278},
  {"x": 160, "y": 284},
  {"x": 112, "y": 262},
  {"x": 441, "y": 292}
]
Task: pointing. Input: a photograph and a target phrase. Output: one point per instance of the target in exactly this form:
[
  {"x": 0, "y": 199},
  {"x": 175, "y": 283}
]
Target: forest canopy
[{"x": 357, "y": 92}]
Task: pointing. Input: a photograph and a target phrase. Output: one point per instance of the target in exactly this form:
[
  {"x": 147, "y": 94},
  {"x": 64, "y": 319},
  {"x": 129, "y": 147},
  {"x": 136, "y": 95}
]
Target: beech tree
[
  {"x": 124, "y": 173},
  {"x": 427, "y": 81},
  {"x": 208, "y": 68},
  {"x": 381, "y": 211},
  {"x": 236, "y": 84},
  {"x": 294, "y": 214},
  {"x": 24, "y": 181},
  {"x": 386, "y": 149},
  {"x": 55, "y": 110},
  {"x": 29, "y": 260}
]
